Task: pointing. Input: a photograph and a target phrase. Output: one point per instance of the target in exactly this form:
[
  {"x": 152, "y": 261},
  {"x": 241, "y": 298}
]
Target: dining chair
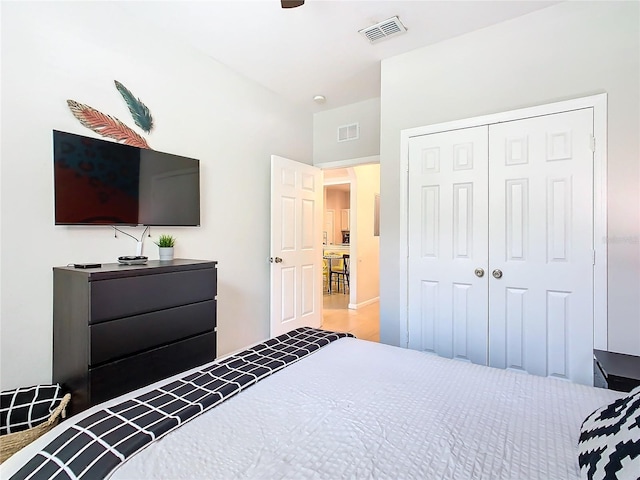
[
  {"x": 341, "y": 271},
  {"x": 325, "y": 275},
  {"x": 333, "y": 261}
]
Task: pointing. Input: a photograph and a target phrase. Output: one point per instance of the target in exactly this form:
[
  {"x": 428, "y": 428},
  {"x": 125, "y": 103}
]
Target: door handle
[
  {"x": 276, "y": 260},
  {"x": 479, "y": 272},
  {"x": 497, "y": 273}
]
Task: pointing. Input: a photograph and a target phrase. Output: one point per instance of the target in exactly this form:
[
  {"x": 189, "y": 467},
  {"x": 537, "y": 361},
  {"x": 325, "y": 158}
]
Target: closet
[{"x": 500, "y": 232}]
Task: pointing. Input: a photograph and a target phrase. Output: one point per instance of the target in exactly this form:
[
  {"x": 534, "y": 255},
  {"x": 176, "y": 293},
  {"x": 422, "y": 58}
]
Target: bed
[{"x": 323, "y": 405}]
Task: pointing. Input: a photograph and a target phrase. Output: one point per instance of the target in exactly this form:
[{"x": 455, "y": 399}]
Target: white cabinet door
[
  {"x": 296, "y": 245},
  {"x": 447, "y": 243},
  {"x": 345, "y": 220},
  {"x": 541, "y": 231},
  {"x": 514, "y": 198},
  {"x": 329, "y": 226}
]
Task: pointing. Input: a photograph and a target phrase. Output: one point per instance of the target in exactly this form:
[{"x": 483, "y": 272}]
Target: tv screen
[{"x": 99, "y": 182}]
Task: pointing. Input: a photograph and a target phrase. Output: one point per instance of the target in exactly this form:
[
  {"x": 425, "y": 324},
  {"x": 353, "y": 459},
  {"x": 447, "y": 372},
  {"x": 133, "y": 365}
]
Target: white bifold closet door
[
  {"x": 448, "y": 241},
  {"x": 501, "y": 244}
]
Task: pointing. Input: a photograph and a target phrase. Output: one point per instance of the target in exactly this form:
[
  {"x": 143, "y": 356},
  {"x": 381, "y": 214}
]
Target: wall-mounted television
[{"x": 100, "y": 182}]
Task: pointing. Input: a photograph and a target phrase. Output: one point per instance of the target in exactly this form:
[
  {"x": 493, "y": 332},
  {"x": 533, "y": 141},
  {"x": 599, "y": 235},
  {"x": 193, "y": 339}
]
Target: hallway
[{"x": 364, "y": 322}]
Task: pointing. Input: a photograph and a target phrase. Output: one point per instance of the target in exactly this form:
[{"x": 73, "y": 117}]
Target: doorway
[
  {"x": 351, "y": 297},
  {"x": 337, "y": 287},
  {"x": 297, "y": 206}
]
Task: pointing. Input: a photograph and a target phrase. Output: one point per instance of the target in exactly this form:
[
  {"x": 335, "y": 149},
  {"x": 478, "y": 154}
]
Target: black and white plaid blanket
[
  {"x": 92, "y": 447},
  {"x": 25, "y": 408}
]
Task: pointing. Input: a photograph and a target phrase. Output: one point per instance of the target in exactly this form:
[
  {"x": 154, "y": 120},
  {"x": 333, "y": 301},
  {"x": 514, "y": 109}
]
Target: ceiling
[{"x": 316, "y": 49}]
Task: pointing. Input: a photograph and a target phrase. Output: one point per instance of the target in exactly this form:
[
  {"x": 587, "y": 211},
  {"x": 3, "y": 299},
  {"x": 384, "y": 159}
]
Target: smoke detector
[{"x": 385, "y": 29}]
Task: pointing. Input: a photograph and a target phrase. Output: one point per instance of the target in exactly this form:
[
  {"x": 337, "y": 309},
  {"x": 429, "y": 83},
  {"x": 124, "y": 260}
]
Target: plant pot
[{"x": 166, "y": 253}]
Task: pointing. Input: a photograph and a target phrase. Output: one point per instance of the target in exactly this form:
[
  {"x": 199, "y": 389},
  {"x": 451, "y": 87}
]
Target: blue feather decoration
[{"x": 139, "y": 111}]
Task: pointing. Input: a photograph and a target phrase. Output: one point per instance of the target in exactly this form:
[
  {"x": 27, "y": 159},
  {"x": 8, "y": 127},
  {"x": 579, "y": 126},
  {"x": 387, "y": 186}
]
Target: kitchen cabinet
[{"x": 345, "y": 219}]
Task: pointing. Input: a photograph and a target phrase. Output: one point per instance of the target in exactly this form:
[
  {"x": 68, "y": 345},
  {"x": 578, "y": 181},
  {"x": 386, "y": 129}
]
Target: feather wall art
[
  {"x": 105, "y": 125},
  {"x": 111, "y": 127},
  {"x": 139, "y": 111}
]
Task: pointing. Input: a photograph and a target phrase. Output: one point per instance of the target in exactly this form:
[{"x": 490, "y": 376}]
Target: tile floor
[{"x": 364, "y": 322}]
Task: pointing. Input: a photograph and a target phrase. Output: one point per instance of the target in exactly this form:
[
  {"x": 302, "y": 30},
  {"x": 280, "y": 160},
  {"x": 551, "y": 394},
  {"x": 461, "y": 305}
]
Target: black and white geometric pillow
[
  {"x": 24, "y": 408},
  {"x": 609, "y": 445}
]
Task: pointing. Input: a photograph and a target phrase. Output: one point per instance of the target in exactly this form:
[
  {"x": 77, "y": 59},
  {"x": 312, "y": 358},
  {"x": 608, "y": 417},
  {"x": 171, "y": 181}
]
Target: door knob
[
  {"x": 479, "y": 272},
  {"x": 277, "y": 260},
  {"x": 497, "y": 273}
]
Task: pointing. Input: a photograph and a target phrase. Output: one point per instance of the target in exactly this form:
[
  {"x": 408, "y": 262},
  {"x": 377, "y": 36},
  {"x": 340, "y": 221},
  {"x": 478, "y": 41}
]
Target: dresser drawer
[
  {"x": 124, "y": 297},
  {"x": 118, "y": 338},
  {"x": 116, "y": 378}
]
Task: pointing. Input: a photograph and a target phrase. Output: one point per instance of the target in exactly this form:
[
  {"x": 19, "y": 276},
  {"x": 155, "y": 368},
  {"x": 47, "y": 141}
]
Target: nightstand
[{"x": 616, "y": 371}]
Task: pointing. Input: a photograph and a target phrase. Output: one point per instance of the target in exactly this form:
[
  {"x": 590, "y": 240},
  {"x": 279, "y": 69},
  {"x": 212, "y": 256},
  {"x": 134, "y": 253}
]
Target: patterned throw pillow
[
  {"x": 609, "y": 445},
  {"x": 24, "y": 408}
]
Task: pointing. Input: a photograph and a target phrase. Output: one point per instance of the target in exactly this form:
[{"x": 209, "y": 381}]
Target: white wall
[
  {"x": 569, "y": 50},
  {"x": 326, "y": 147},
  {"x": 54, "y": 51},
  {"x": 367, "y": 246}
]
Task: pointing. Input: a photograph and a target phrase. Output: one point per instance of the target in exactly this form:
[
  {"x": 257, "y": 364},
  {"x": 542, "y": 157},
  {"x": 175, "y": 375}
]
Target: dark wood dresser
[
  {"x": 120, "y": 327},
  {"x": 616, "y": 371}
]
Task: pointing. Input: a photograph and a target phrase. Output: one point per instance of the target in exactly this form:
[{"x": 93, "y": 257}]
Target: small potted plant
[{"x": 166, "y": 244}]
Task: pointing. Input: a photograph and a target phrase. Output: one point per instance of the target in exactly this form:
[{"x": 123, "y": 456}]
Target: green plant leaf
[{"x": 166, "y": 241}]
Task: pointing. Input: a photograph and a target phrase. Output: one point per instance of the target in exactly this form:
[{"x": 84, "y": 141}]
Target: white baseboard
[{"x": 355, "y": 306}]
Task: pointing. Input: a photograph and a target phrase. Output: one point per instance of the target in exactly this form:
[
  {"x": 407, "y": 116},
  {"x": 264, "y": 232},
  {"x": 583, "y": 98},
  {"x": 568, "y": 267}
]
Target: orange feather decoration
[{"x": 106, "y": 125}]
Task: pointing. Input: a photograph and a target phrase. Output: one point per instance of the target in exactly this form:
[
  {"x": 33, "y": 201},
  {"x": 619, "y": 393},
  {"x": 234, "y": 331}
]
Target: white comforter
[{"x": 357, "y": 409}]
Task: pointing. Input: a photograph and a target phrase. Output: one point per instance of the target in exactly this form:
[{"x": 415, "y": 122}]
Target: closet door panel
[
  {"x": 541, "y": 231},
  {"x": 447, "y": 243}
]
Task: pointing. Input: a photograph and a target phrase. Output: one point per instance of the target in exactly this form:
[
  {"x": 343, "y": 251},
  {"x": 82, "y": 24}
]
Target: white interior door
[
  {"x": 448, "y": 243},
  {"x": 296, "y": 245},
  {"x": 541, "y": 231}
]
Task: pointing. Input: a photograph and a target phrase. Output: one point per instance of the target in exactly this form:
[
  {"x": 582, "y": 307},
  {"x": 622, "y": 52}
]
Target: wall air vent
[
  {"x": 349, "y": 132},
  {"x": 385, "y": 29}
]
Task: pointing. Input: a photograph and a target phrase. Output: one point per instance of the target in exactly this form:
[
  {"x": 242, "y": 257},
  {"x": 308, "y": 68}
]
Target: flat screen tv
[{"x": 100, "y": 182}]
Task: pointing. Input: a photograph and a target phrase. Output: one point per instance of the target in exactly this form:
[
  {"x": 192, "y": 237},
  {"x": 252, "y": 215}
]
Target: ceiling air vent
[
  {"x": 349, "y": 132},
  {"x": 385, "y": 29}
]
